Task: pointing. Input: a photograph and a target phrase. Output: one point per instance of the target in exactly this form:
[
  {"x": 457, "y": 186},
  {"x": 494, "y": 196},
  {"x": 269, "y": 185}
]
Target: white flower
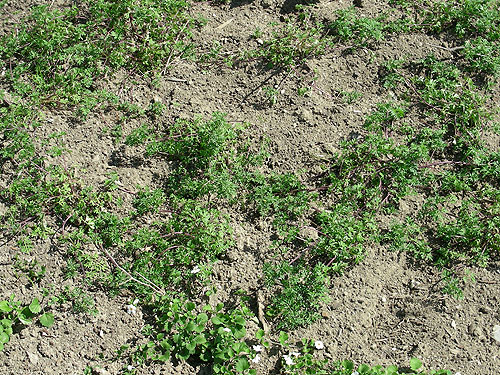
[
  {"x": 130, "y": 367},
  {"x": 257, "y": 348},
  {"x": 131, "y": 309},
  {"x": 295, "y": 354},
  {"x": 136, "y": 301},
  {"x": 355, "y": 373},
  {"x": 225, "y": 329},
  {"x": 196, "y": 269},
  {"x": 256, "y": 359},
  {"x": 289, "y": 361},
  {"x": 319, "y": 345}
]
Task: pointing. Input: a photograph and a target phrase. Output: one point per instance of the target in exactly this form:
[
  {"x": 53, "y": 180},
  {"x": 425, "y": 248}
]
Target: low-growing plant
[
  {"x": 33, "y": 270},
  {"x": 343, "y": 235},
  {"x": 81, "y": 302},
  {"x": 301, "y": 291},
  {"x": 302, "y": 38},
  {"x": 271, "y": 94},
  {"x": 166, "y": 252},
  {"x": 212, "y": 336},
  {"x": 302, "y": 361},
  {"x": 348, "y": 27},
  {"x": 13, "y": 312},
  {"x": 148, "y": 201},
  {"x": 282, "y": 196},
  {"x": 207, "y": 159},
  {"x": 90, "y": 40}
]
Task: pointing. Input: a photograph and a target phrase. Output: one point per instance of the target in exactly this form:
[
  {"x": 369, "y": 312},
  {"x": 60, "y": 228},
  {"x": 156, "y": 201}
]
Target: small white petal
[
  {"x": 289, "y": 361},
  {"x": 136, "y": 301},
  {"x": 226, "y": 329},
  {"x": 295, "y": 354},
  {"x": 319, "y": 345},
  {"x": 256, "y": 359},
  {"x": 130, "y": 367},
  {"x": 131, "y": 309},
  {"x": 257, "y": 348},
  {"x": 196, "y": 269}
]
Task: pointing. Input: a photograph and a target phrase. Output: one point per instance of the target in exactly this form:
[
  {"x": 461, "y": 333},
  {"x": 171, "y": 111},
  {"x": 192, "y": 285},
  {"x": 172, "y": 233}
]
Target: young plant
[
  {"x": 289, "y": 48},
  {"x": 12, "y": 312},
  {"x": 212, "y": 336},
  {"x": 301, "y": 290}
]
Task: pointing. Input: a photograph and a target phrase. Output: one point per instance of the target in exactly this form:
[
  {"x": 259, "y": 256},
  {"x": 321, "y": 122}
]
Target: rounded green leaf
[
  {"x": 200, "y": 339},
  {"x": 47, "y": 320},
  {"x": 202, "y": 318},
  {"x": 242, "y": 365},
  {"x": 164, "y": 357},
  {"x": 260, "y": 334},
  {"x": 34, "y": 306},
  {"x": 240, "y": 333},
  {"x": 348, "y": 365},
  {"x": 200, "y": 328},
  {"x": 4, "y": 338},
  {"x": 415, "y": 364},
  {"x": 190, "y": 326},
  {"x": 216, "y": 320},
  {"x": 5, "y": 307},
  {"x": 240, "y": 321},
  {"x": 24, "y": 318},
  {"x": 391, "y": 370},
  {"x": 362, "y": 369},
  {"x": 283, "y": 337}
]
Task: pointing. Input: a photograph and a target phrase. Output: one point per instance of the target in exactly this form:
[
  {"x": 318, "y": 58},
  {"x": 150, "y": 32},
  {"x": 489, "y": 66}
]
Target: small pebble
[
  {"x": 496, "y": 333},
  {"x": 33, "y": 358}
]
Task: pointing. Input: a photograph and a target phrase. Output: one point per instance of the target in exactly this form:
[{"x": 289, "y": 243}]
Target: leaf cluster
[
  {"x": 301, "y": 290},
  {"x": 12, "y": 312},
  {"x": 211, "y": 336}
]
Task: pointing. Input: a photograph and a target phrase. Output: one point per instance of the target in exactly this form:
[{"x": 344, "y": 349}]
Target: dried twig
[
  {"x": 260, "y": 312},
  {"x": 453, "y": 49},
  {"x": 146, "y": 282}
]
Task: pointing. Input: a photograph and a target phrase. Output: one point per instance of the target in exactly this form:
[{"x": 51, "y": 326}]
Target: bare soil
[{"x": 384, "y": 311}]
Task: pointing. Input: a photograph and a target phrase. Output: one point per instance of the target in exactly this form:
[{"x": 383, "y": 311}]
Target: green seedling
[
  {"x": 13, "y": 312},
  {"x": 210, "y": 335}
]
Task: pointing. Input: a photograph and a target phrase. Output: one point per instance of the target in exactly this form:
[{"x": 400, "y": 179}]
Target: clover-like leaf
[
  {"x": 4, "y": 338},
  {"x": 47, "y": 320},
  {"x": 242, "y": 365},
  {"x": 34, "y": 306},
  {"x": 415, "y": 364},
  {"x": 5, "y": 307}
]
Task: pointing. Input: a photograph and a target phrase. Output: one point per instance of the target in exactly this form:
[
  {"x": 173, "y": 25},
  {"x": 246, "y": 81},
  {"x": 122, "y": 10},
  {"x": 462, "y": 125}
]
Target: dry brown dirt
[{"x": 385, "y": 310}]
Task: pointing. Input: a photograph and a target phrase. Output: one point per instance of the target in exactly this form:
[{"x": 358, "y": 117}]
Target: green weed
[
  {"x": 12, "y": 313},
  {"x": 289, "y": 48},
  {"x": 210, "y": 336},
  {"x": 301, "y": 291},
  {"x": 167, "y": 252}
]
